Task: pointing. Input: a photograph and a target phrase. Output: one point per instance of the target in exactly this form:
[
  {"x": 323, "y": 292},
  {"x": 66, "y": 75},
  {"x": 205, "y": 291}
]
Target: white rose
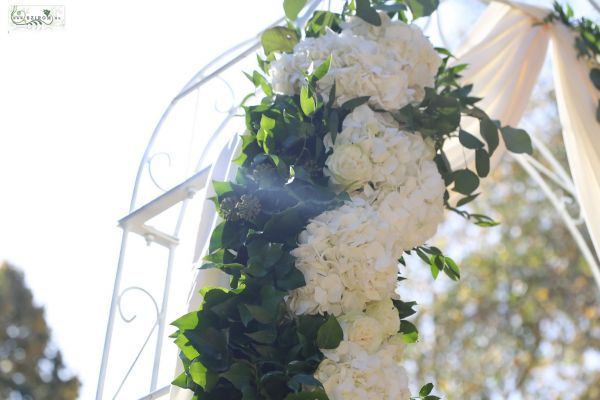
[
  {"x": 386, "y": 314},
  {"x": 349, "y": 166},
  {"x": 362, "y": 330}
]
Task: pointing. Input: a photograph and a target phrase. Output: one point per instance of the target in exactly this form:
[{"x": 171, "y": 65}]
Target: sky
[{"x": 77, "y": 108}]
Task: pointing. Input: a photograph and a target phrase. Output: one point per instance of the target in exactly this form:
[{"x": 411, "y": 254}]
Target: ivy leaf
[
  {"x": 330, "y": 334},
  {"x": 180, "y": 381},
  {"x": 595, "y": 77},
  {"x": 240, "y": 375},
  {"x": 516, "y": 140},
  {"x": 422, "y": 8},
  {"x": 489, "y": 131},
  {"x": 307, "y": 102},
  {"x": 187, "y": 321},
  {"x": 409, "y": 331},
  {"x": 279, "y": 39},
  {"x": 293, "y": 7},
  {"x": 198, "y": 372},
  {"x": 469, "y": 141},
  {"x": 465, "y": 181},
  {"x": 367, "y": 13},
  {"x": 482, "y": 162},
  {"x": 296, "y": 382}
]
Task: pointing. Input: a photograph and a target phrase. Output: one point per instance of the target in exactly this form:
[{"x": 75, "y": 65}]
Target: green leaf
[
  {"x": 367, "y": 13},
  {"x": 516, "y": 140},
  {"x": 469, "y": 141},
  {"x": 353, "y": 103},
  {"x": 279, "y": 39},
  {"x": 435, "y": 271},
  {"x": 330, "y": 334},
  {"x": 188, "y": 321},
  {"x": 465, "y": 181},
  {"x": 198, "y": 372},
  {"x": 482, "y": 162},
  {"x": 410, "y": 334},
  {"x": 240, "y": 375},
  {"x": 595, "y": 77},
  {"x": 180, "y": 381},
  {"x": 307, "y": 102},
  {"x": 312, "y": 395},
  {"x": 293, "y": 7},
  {"x": 467, "y": 199},
  {"x": 322, "y": 69},
  {"x": 598, "y": 112},
  {"x": 425, "y": 390},
  {"x": 451, "y": 269},
  {"x": 333, "y": 123},
  {"x": 298, "y": 380},
  {"x": 489, "y": 132},
  {"x": 422, "y": 8}
]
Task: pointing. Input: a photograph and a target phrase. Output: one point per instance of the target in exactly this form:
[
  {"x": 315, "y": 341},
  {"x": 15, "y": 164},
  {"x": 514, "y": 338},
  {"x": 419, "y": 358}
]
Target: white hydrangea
[
  {"x": 371, "y": 152},
  {"x": 351, "y": 373},
  {"x": 392, "y": 63},
  {"x": 347, "y": 260}
]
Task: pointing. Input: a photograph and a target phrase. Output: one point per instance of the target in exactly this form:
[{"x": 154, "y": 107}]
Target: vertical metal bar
[
  {"x": 568, "y": 220},
  {"x": 111, "y": 316},
  {"x": 161, "y": 321}
]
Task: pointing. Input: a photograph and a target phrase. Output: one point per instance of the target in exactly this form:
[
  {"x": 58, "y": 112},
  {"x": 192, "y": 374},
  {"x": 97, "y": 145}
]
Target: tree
[
  {"x": 524, "y": 321},
  {"x": 31, "y": 368}
]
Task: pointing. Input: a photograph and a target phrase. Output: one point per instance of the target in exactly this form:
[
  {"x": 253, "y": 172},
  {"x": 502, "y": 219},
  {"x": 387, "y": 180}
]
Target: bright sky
[{"x": 78, "y": 107}]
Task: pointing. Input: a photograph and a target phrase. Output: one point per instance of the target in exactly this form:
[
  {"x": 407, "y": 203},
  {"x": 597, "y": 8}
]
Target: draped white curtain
[{"x": 505, "y": 52}]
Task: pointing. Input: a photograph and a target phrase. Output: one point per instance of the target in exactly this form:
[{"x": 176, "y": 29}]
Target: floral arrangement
[{"x": 341, "y": 172}]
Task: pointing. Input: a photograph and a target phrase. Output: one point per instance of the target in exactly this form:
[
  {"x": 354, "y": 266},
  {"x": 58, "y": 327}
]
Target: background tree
[
  {"x": 30, "y": 366},
  {"x": 523, "y": 322}
]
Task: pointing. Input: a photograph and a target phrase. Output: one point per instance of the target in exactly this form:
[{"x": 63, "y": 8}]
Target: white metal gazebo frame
[{"x": 546, "y": 172}]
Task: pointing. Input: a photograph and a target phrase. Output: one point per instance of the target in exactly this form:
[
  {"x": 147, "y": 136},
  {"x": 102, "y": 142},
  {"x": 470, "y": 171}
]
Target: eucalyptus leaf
[
  {"x": 489, "y": 132},
  {"x": 482, "y": 162},
  {"x": 516, "y": 140},
  {"x": 468, "y": 140},
  {"x": 465, "y": 181}
]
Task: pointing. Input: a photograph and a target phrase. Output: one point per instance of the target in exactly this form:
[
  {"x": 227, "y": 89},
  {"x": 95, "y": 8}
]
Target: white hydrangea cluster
[
  {"x": 371, "y": 152},
  {"x": 349, "y": 255},
  {"x": 346, "y": 258},
  {"x": 392, "y": 63},
  {"x": 366, "y": 363}
]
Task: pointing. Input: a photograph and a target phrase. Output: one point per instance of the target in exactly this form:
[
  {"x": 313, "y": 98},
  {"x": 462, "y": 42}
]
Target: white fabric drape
[{"x": 505, "y": 52}]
